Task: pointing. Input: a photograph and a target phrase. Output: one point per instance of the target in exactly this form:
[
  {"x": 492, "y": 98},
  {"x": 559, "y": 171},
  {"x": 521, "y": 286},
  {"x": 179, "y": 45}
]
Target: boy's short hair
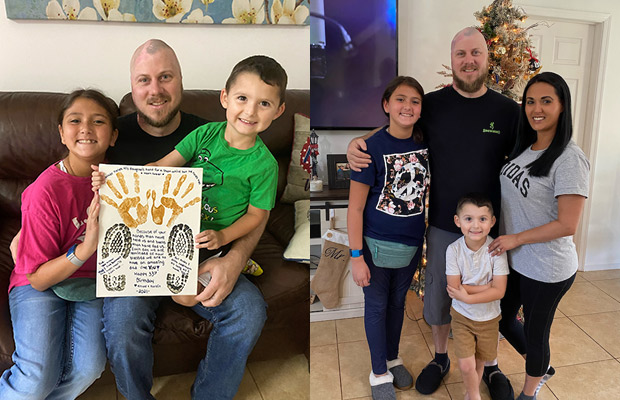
[
  {"x": 475, "y": 198},
  {"x": 268, "y": 69}
]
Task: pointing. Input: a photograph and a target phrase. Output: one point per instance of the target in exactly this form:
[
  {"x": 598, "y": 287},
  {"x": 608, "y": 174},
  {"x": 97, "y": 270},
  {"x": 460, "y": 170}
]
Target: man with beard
[
  {"x": 470, "y": 130},
  {"x": 230, "y": 301},
  {"x": 233, "y": 305}
]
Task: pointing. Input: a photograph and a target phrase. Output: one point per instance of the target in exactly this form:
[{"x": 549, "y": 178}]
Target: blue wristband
[{"x": 355, "y": 253}]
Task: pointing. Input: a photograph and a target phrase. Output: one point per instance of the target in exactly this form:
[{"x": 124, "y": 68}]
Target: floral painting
[{"x": 291, "y": 12}]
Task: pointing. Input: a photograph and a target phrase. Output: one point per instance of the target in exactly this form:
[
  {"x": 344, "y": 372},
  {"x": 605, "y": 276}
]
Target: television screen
[{"x": 353, "y": 56}]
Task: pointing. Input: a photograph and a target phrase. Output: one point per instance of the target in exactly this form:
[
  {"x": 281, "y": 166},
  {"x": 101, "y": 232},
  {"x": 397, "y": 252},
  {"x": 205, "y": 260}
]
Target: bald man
[
  {"x": 230, "y": 301},
  {"x": 470, "y": 130}
]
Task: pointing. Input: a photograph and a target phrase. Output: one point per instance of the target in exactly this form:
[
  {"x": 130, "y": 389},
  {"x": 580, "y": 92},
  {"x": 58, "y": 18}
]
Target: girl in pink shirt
[{"x": 59, "y": 346}]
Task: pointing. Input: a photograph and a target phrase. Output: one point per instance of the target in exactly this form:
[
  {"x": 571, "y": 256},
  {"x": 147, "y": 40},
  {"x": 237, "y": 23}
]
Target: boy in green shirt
[{"x": 240, "y": 175}]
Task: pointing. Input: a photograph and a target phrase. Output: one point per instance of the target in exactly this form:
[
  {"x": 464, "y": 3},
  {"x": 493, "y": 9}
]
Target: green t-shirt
[{"x": 232, "y": 178}]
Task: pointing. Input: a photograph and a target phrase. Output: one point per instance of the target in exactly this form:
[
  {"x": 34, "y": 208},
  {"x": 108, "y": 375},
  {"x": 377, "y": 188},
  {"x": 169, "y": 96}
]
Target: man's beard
[
  {"x": 161, "y": 122},
  {"x": 469, "y": 87}
]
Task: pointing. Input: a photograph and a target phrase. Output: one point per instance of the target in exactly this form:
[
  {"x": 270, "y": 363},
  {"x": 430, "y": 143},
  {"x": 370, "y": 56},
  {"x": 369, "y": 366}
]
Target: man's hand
[
  {"x": 226, "y": 270},
  {"x": 224, "y": 274},
  {"x": 356, "y": 155}
]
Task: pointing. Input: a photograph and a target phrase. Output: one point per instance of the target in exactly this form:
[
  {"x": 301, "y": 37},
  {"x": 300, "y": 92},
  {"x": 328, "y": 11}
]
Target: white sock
[
  {"x": 379, "y": 380},
  {"x": 395, "y": 362}
]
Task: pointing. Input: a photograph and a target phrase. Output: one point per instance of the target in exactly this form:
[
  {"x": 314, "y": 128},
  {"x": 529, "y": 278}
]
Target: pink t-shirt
[{"x": 54, "y": 213}]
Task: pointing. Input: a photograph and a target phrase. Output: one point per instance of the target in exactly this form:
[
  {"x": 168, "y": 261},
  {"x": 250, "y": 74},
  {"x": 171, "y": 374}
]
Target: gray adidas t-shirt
[{"x": 528, "y": 202}]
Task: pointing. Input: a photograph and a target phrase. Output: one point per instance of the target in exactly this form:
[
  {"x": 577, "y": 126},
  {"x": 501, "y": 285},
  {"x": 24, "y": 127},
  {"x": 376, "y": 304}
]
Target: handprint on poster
[{"x": 148, "y": 219}]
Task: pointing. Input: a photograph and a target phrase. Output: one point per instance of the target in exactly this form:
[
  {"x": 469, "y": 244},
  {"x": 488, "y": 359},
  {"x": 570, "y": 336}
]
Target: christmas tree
[{"x": 512, "y": 61}]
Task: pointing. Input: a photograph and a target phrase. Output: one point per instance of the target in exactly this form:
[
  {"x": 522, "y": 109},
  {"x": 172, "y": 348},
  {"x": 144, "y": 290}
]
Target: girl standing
[
  {"x": 59, "y": 346},
  {"x": 544, "y": 188},
  {"x": 386, "y": 227}
]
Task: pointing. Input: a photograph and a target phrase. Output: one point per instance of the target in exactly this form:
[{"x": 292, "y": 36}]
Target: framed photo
[{"x": 338, "y": 171}]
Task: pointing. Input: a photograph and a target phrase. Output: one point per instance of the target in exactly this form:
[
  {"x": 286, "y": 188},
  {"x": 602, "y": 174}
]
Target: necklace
[{"x": 68, "y": 166}]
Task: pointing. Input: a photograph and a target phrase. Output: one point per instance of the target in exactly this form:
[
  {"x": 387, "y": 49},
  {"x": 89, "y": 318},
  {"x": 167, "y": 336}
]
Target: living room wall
[
  {"x": 60, "y": 56},
  {"x": 426, "y": 29}
]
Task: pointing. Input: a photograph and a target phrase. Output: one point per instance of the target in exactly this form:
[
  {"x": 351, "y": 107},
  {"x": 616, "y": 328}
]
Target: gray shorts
[{"x": 436, "y": 300}]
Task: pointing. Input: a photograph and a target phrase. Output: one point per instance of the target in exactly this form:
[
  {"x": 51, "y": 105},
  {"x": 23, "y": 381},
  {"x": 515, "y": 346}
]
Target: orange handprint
[
  {"x": 128, "y": 203},
  {"x": 167, "y": 202}
]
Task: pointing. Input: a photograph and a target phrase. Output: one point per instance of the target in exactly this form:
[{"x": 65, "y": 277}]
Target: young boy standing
[{"x": 476, "y": 283}]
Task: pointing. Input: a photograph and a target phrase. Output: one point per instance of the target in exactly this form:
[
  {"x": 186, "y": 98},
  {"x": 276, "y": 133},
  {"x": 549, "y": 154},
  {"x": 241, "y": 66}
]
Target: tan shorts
[{"x": 477, "y": 338}]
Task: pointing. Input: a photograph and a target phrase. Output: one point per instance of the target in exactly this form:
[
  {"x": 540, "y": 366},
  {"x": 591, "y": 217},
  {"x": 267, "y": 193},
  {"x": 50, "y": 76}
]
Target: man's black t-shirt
[
  {"x": 136, "y": 147},
  {"x": 468, "y": 140}
]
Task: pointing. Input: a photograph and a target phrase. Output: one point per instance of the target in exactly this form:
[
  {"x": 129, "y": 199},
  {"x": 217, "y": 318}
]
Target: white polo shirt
[{"x": 475, "y": 268}]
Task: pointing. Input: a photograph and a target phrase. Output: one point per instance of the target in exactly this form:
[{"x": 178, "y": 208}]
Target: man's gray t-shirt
[{"x": 529, "y": 202}]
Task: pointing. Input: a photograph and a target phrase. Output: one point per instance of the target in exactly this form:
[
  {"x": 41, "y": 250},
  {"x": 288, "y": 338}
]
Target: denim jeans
[
  {"x": 59, "y": 348},
  {"x": 384, "y": 308},
  {"x": 237, "y": 324}
]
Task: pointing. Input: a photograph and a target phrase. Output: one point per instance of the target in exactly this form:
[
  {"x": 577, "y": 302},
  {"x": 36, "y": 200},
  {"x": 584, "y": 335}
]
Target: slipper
[
  {"x": 430, "y": 378},
  {"x": 402, "y": 378},
  {"x": 382, "y": 387},
  {"x": 499, "y": 385}
]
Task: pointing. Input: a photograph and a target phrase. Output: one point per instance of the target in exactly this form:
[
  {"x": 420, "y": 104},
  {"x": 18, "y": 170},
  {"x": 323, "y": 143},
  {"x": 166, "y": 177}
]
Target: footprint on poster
[
  {"x": 117, "y": 240},
  {"x": 181, "y": 242},
  {"x": 114, "y": 283},
  {"x": 176, "y": 283}
]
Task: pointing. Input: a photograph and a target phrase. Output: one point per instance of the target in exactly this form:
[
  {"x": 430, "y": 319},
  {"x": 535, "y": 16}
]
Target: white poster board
[{"x": 147, "y": 223}]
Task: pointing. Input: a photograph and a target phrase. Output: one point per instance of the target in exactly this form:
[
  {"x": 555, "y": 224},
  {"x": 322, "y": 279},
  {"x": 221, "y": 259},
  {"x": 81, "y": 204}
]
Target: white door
[{"x": 566, "y": 49}]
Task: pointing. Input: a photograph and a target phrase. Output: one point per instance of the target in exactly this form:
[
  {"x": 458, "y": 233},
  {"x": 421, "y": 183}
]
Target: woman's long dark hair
[
  {"x": 526, "y": 136},
  {"x": 418, "y": 137}
]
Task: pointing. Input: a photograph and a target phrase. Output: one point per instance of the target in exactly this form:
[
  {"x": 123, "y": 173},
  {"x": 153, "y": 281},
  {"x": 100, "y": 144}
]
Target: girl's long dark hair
[
  {"x": 418, "y": 137},
  {"x": 95, "y": 95},
  {"x": 526, "y": 136}
]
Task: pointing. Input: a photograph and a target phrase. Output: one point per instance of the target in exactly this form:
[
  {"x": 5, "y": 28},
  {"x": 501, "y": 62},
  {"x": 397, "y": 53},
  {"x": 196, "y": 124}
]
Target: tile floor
[
  {"x": 265, "y": 380},
  {"x": 585, "y": 350}
]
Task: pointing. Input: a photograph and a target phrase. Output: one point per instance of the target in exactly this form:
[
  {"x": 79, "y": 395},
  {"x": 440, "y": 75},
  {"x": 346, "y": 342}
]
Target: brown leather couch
[{"x": 29, "y": 142}]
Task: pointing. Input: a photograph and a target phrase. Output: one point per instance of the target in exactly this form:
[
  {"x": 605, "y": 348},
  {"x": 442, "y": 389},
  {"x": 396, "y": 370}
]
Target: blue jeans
[
  {"x": 59, "y": 348},
  {"x": 237, "y": 324},
  {"x": 384, "y": 308}
]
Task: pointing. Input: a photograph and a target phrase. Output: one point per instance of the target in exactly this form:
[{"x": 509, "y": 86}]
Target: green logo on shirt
[{"x": 491, "y": 129}]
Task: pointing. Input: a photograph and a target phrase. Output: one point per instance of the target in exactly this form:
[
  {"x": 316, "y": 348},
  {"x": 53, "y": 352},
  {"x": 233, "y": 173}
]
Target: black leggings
[{"x": 539, "y": 300}]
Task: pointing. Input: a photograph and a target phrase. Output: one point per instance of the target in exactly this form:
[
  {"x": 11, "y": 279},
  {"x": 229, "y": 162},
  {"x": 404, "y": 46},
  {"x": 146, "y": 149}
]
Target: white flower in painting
[
  {"x": 70, "y": 10},
  {"x": 247, "y": 12},
  {"x": 196, "y": 17},
  {"x": 171, "y": 10},
  {"x": 207, "y": 2},
  {"x": 287, "y": 13},
  {"x": 108, "y": 9}
]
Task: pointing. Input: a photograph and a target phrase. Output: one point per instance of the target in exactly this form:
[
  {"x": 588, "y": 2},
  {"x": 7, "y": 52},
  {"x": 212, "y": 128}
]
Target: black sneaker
[{"x": 499, "y": 385}]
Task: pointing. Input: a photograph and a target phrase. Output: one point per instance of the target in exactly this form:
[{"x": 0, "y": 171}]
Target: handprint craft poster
[{"x": 147, "y": 223}]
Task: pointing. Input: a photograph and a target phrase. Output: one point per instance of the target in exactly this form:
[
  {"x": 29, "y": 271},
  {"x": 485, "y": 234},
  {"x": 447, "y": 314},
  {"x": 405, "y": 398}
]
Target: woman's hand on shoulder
[{"x": 503, "y": 243}]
